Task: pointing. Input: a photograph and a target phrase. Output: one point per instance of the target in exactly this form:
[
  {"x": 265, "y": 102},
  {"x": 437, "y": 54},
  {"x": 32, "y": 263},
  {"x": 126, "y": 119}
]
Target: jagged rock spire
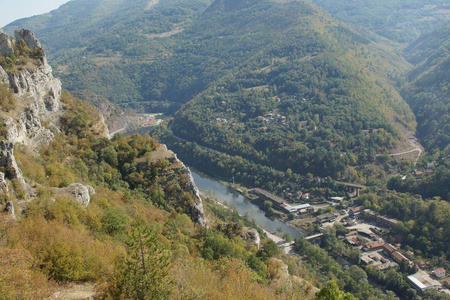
[
  {"x": 29, "y": 38},
  {"x": 5, "y": 43}
]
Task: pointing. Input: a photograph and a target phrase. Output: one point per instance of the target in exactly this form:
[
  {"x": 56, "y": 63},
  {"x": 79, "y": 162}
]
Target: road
[
  {"x": 410, "y": 151},
  {"x": 111, "y": 134},
  {"x": 286, "y": 247}
]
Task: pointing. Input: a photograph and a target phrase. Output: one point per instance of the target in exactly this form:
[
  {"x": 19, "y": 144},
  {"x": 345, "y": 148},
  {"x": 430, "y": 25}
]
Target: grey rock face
[
  {"x": 5, "y": 43},
  {"x": 3, "y": 185},
  {"x": 28, "y": 37},
  {"x": 40, "y": 93},
  {"x": 4, "y": 78},
  {"x": 251, "y": 235},
  {"x": 197, "y": 211},
  {"x": 8, "y": 161},
  {"x": 81, "y": 193}
]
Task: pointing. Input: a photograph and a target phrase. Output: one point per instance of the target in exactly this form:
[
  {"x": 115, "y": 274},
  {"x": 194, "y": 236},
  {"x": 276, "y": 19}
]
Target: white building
[{"x": 421, "y": 281}]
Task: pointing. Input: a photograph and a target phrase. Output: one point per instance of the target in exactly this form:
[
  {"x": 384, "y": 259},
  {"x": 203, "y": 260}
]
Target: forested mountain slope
[
  {"x": 399, "y": 20},
  {"x": 101, "y": 47},
  {"x": 258, "y": 57},
  {"x": 306, "y": 95},
  {"x": 428, "y": 92}
]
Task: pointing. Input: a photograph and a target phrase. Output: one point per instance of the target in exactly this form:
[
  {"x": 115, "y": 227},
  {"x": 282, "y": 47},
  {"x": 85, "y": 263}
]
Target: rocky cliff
[
  {"x": 37, "y": 91},
  {"x": 34, "y": 119},
  {"x": 197, "y": 212}
]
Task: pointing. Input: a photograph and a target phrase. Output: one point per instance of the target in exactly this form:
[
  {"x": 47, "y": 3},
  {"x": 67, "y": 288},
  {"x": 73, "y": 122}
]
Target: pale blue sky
[{"x": 12, "y": 10}]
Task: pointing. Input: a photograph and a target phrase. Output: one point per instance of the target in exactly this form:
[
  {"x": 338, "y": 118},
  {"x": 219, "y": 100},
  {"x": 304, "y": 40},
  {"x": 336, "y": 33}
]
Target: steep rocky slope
[
  {"x": 33, "y": 113},
  {"x": 34, "y": 119}
]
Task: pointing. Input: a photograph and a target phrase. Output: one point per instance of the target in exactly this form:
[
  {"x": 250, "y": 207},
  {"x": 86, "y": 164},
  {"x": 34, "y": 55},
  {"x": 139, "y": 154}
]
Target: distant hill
[
  {"x": 399, "y": 20},
  {"x": 258, "y": 57},
  {"x": 428, "y": 93},
  {"x": 310, "y": 93},
  {"x": 99, "y": 47}
]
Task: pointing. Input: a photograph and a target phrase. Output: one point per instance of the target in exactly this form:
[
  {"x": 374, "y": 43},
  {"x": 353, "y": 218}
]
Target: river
[{"x": 235, "y": 199}]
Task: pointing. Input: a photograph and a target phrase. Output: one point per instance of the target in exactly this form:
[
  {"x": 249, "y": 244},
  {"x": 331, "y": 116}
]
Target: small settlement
[{"x": 368, "y": 231}]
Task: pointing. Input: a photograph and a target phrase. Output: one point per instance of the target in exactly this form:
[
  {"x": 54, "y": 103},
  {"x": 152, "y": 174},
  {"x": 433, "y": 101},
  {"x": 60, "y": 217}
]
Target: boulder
[
  {"x": 251, "y": 235},
  {"x": 81, "y": 193}
]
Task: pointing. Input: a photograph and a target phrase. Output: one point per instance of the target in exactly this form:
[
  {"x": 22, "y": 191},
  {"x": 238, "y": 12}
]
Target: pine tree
[{"x": 144, "y": 272}]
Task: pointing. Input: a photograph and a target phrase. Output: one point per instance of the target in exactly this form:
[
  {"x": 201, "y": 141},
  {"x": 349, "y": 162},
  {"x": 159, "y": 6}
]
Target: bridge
[
  {"x": 313, "y": 237},
  {"x": 352, "y": 188}
]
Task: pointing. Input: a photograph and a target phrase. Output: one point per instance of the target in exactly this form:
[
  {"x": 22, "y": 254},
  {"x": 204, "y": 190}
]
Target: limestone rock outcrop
[
  {"x": 28, "y": 37},
  {"x": 81, "y": 193},
  {"x": 39, "y": 93},
  {"x": 38, "y": 102},
  {"x": 5, "y": 43},
  {"x": 4, "y": 78},
  {"x": 3, "y": 184},
  {"x": 197, "y": 211},
  {"x": 251, "y": 235},
  {"x": 13, "y": 172}
]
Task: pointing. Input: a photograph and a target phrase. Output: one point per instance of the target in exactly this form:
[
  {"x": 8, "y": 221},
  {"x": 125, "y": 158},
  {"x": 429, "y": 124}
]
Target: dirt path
[
  {"x": 410, "y": 141},
  {"x": 75, "y": 292}
]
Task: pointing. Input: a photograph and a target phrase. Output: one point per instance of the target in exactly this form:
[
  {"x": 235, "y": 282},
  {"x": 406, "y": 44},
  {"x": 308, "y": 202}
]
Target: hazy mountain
[
  {"x": 99, "y": 47},
  {"x": 428, "y": 93},
  {"x": 399, "y": 20}
]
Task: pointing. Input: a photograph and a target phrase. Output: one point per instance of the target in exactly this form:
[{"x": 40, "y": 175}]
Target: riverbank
[{"x": 232, "y": 198}]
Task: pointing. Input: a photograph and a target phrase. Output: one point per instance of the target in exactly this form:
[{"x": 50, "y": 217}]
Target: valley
[{"x": 329, "y": 122}]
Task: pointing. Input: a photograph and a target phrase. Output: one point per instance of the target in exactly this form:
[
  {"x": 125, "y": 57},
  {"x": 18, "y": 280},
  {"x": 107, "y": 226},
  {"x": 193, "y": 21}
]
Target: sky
[{"x": 12, "y": 10}]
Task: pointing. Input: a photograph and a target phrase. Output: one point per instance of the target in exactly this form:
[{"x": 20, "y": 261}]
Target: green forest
[{"x": 272, "y": 94}]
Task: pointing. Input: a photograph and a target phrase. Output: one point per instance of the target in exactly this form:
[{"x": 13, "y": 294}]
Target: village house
[
  {"x": 409, "y": 254},
  {"x": 418, "y": 174},
  {"x": 336, "y": 199},
  {"x": 439, "y": 273},
  {"x": 382, "y": 267},
  {"x": 421, "y": 264},
  {"x": 351, "y": 233},
  {"x": 356, "y": 210},
  {"x": 367, "y": 260},
  {"x": 373, "y": 245},
  {"x": 386, "y": 221},
  {"x": 325, "y": 218},
  {"x": 398, "y": 257},
  {"x": 353, "y": 240},
  {"x": 389, "y": 249}
]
